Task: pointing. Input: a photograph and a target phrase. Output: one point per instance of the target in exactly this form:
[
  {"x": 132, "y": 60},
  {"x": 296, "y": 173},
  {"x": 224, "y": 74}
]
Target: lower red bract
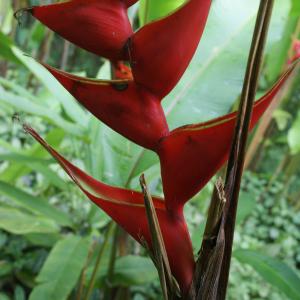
[{"x": 126, "y": 207}]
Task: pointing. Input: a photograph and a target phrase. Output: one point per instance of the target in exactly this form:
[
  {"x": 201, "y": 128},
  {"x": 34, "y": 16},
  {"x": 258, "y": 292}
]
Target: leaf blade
[
  {"x": 275, "y": 272},
  {"x": 62, "y": 269}
]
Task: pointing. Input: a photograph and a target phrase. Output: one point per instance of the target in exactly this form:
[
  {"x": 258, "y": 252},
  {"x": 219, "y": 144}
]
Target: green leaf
[
  {"x": 43, "y": 240},
  {"x": 5, "y": 49},
  {"x": 143, "y": 162},
  {"x": 71, "y": 107},
  {"x": 35, "y": 204},
  {"x": 36, "y": 164},
  {"x": 49, "y": 175},
  {"x": 277, "y": 55},
  {"x": 245, "y": 207},
  {"x": 6, "y": 15},
  {"x": 4, "y": 297},
  {"x": 281, "y": 118},
  {"x": 295, "y": 8},
  {"x": 19, "y": 293},
  {"x": 214, "y": 79},
  {"x": 16, "y": 88},
  {"x": 150, "y": 10},
  {"x": 134, "y": 270},
  {"x": 129, "y": 270},
  {"x": 62, "y": 269},
  {"x": 294, "y": 136},
  {"x": 17, "y": 222},
  {"x": 16, "y": 170},
  {"x": 273, "y": 271},
  {"x": 115, "y": 155},
  {"x": 28, "y": 106},
  {"x": 16, "y": 157},
  {"x": 5, "y": 268},
  {"x": 119, "y": 157}
]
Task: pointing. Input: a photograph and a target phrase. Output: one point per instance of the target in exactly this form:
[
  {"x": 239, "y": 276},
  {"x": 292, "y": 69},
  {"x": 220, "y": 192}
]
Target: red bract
[
  {"x": 126, "y": 207},
  {"x": 158, "y": 54},
  {"x": 161, "y": 51},
  {"x": 121, "y": 104},
  {"x": 192, "y": 154},
  {"x": 101, "y": 27}
]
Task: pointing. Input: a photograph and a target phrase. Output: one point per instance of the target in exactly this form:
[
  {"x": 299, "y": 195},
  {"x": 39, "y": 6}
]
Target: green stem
[
  {"x": 98, "y": 260},
  {"x": 83, "y": 273},
  {"x": 111, "y": 265}
]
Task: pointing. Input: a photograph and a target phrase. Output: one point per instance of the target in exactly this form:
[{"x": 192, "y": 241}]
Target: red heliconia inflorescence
[{"x": 158, "y": 55}]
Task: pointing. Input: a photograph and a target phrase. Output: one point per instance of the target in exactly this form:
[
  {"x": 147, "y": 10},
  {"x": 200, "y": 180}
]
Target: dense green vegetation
[{"x": 54, "y": 243}]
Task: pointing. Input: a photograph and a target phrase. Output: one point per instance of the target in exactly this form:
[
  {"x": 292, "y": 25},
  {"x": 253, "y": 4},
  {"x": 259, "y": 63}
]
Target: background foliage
[{"x": 54, "y": 243}]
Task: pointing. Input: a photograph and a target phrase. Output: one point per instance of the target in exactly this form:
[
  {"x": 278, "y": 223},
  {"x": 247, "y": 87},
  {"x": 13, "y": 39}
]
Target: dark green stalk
[{"x": 237, "y": 154}]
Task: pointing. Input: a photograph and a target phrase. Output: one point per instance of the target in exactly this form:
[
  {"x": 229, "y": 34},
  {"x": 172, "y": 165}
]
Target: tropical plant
[{"x": 185, "y": 151}]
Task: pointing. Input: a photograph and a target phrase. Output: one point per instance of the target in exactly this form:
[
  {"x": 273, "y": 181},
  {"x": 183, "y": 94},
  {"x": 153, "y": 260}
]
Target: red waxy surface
[
  {"x": 162, "y": 50},
  {"x": 192, "y": 154},
  {"x": 127, "y": 208},
  {"x": 122, "y": 105},
  {"x": 158, "y": 53},
  {"x": 101, "y": 27}
]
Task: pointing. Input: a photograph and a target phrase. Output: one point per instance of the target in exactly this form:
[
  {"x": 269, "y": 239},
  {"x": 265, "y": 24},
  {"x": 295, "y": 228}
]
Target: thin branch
[{"x": 237, "y": 154}]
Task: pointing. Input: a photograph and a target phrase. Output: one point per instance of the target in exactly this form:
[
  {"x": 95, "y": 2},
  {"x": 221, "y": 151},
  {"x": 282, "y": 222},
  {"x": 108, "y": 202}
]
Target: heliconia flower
[
  {"x": 158, "y": 54},
  {"x": 157, "y": 59},
  {"x": 192, "y": 154},
  {"x": 189, "y": 157},
  {"x": 126, "y": 207}
]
